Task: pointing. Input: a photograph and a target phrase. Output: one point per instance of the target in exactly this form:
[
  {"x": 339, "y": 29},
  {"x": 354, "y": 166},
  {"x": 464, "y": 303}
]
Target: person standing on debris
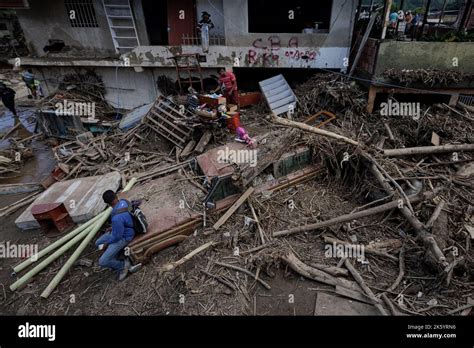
[
  {"x": 8, "y": 98},
  {"x": 114, "y": 241},
  {"x": 29, "y": 79},
  {"x": 228, "y": 84}
]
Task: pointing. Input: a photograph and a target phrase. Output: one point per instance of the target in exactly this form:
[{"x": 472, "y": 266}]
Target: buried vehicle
[{"x": 176, "y": 205}]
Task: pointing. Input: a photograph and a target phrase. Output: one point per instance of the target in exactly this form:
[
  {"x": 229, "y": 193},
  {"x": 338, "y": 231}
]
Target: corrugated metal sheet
[{"x": 278, "y": 94}]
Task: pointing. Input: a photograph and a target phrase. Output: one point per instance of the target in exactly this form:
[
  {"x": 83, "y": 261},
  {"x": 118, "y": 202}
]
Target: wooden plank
[
  {"x": 168, "y": 131},
  {"x": 233, "y": 208},
  {"x": 187, "y": 149},
  {"x": 186, "y": 133},
  {"x": 206, "y": 137}
]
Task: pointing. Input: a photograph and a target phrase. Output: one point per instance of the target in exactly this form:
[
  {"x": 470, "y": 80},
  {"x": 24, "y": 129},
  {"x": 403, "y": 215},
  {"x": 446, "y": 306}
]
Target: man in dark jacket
[
  {"x": 114, "y": 241},
  {"x": 8, "y": 98}
]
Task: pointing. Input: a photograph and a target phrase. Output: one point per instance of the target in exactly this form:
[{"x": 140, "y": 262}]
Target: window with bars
[{"x": 81, "y": 13}]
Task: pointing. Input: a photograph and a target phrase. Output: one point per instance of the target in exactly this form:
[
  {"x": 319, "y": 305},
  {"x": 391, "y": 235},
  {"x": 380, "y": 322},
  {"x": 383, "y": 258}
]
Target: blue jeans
[{"x": 109, "y": 257}]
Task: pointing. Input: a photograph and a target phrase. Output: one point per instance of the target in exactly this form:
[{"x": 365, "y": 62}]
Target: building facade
[{"x": 130, "y": 42}]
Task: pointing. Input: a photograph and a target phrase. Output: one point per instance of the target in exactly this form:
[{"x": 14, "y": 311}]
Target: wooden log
[
  {"x": 332, "y": 270},
  {"x": 364, "y": 286},
  {"x": 233, "y": 208},
  {"x": 349, "y": 217},
  {"x": 315, "y": 274},
  {"x": 305, "y": 127},
  {"x": 389, "y": 304},
  {"x": 426, "y": 150}
]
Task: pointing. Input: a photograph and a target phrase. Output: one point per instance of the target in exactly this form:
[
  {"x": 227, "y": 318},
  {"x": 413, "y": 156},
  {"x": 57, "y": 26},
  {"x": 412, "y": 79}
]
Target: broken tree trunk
[
  {"x": 315, "y": 274},
  {"x": 349, "y": 217},
  {"x": 426, "y": 150},
  {"x": 420, "y": 230}
]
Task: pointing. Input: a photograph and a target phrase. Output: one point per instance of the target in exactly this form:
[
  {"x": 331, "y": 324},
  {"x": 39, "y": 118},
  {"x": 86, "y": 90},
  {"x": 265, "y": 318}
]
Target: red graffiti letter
[{"x": 293, "y": 42}]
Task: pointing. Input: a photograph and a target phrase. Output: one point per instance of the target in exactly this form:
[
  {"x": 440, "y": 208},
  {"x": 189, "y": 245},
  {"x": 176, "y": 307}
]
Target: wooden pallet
[{"x": 166, "y": 119}]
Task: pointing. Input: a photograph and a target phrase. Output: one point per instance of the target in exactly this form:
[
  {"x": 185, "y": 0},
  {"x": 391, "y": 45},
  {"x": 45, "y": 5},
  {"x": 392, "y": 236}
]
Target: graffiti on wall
[{"x": 266, "y": 53}]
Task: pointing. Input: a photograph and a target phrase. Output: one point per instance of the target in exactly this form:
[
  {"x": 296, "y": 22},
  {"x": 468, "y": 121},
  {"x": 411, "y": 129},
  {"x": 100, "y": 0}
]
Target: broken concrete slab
[{"x": 82, "y": 198}]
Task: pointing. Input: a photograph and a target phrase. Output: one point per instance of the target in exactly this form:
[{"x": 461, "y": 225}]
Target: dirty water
[{"x": 40, "y": 165}]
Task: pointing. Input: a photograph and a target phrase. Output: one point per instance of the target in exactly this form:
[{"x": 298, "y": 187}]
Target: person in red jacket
[{"x": 228, "y": 84}]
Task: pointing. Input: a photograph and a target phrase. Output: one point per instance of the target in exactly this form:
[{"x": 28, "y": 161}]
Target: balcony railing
[{"x": 191, "y": 40}]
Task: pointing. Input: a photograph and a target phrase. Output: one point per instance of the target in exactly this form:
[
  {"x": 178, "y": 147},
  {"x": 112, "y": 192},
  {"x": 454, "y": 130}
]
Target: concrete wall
[
  {"x": 244, "y": 49},
  {"x": 47, "y": 19},
  {"x": 416, "y": 55},
  {"x": 216, "y": 9}
]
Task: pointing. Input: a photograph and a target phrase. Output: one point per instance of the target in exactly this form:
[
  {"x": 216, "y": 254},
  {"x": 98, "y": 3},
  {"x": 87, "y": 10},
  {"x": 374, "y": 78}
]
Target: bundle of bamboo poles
[{"x": 85, "y": 232}]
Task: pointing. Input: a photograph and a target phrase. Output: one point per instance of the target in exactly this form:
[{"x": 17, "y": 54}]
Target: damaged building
[
  {"x": 130, "y": 43},
  {"x": 327, "y": 171}
]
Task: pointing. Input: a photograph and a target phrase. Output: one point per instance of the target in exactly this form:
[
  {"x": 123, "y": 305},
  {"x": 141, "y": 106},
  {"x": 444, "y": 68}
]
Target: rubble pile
[
  {"x": 399, "y": 189},
  {"x": 329, "y": 92},
  {"x": 81, "y": 87},
  {"x": 113, "y": 151},
  {"x": 428, "y": 77}
]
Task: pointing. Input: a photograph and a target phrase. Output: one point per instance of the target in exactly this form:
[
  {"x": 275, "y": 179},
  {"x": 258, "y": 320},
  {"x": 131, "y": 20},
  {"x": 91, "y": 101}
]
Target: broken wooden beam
[
  {"x": 233, "y": 208},
  {"x": 349, "y": 217},
  {"x": 170, "y": 266},
  {"x": 426, "y": 150},
  {"x": 201, "y": 145}
]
